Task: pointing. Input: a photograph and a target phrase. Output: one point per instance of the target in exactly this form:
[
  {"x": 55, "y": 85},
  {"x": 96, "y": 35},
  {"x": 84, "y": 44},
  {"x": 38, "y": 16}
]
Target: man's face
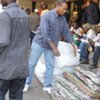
[
  {"x": 86, "y": 29},
  {"x": 98, "y": 29},
  {"x": 62, "y": 9},
  {"x": 75, "y": 26},
  {"x": 4, "y": 2},
  {"x": 87, "y": 4}
]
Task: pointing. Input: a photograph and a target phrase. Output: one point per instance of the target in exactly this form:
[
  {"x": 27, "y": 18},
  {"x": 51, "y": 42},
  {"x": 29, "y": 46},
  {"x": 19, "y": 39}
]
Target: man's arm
[
  {"x": 54, "y": 49},
  {"x": 66, "y": 32},
  {"x": 4, "y": 29},
  {"x": 68, "y": 35}
]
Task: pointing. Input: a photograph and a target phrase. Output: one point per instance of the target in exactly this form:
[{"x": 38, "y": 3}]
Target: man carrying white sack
[{"x": 52, "y": 25}]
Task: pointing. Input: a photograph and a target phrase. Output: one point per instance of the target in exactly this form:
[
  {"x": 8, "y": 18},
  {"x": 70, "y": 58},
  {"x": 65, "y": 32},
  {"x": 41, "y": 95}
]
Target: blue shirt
[{"x": 51, "y": 27}]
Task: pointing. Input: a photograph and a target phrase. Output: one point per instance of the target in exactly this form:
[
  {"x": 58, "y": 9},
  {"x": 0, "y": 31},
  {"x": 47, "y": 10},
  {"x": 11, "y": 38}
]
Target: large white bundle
[
  {"x": 40, "y": 71},
  {"x": 67, "y": 57},
  {"x": 65, "y": 62},
  {"x": 1, "y": 9}
]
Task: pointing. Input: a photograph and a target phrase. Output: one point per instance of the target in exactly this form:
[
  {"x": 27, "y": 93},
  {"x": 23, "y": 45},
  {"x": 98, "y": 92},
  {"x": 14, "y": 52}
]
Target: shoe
[
  {"x": 93, "y": 66},
  {"x": 80, "y": 59},
  {"x": 47, "y": 89},
  {"x": 84, "y": 62},
  {"x": 26, "y": 88}
]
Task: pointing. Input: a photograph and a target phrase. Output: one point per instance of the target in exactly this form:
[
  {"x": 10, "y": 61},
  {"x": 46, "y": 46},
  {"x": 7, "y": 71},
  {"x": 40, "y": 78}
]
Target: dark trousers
[
  {"x": 15, "y": 88},
  {"x": 96, "y": 55},
  {"x": 32, "y": 34},
  {"x": 84, "y": 53}
]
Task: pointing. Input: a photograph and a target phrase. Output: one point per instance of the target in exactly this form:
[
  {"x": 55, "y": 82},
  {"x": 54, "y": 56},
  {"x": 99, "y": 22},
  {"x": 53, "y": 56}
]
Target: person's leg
[
  {"x": 81, "y": 47},
  {"x": 49, "y": 61},
  {"x": 31, "y": 36},
  {"x": 4, "y": 85},
  {"x": 34, "y": 57},
  {"x": 84, "y": 52},
  {"x": 16, "y": 89},
  {"x": 96, "y": 56}
]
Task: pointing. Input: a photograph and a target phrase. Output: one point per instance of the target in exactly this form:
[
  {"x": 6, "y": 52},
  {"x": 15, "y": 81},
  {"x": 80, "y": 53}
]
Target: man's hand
[
  {"x": 74, "y": 49},
  {"x": 54, "y": 49},
  {"x": 56, "y": 52}
]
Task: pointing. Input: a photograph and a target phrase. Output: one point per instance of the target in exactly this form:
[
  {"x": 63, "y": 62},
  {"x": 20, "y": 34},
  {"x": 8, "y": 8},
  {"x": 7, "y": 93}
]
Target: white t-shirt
[
  {"x": 97, "y": 40},
  {"x": 90, "y": 35}
]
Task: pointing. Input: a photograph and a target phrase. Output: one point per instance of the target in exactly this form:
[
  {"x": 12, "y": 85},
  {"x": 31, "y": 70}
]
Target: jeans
[
  {"x": 84, "y": 53},
  {"x": 36, "y": 53},
  {"x": 96, "y": 55},
  {"x": 15, "y": 88}
]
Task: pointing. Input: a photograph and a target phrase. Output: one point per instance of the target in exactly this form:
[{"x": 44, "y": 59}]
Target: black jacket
[{"x": 91, "y": 14}]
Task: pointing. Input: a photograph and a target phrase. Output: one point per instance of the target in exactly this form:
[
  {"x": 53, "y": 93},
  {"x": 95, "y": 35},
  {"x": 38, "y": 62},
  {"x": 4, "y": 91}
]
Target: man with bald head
[{"x": 14, "y": 40}]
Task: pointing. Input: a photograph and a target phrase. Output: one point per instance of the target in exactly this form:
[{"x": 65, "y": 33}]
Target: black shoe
[
  {"x": 80, "y": 59},
  {"x": 84, "y": 62},
  {"x": 94, "y": 66}
]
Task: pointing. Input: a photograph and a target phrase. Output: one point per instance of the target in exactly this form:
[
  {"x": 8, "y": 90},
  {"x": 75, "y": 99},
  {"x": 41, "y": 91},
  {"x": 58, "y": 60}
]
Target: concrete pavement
[{"x": 36, "y": 93}]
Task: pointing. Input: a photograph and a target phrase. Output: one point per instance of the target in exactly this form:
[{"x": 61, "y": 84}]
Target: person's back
[
  {"x": 34, "y": 24},
  {"x": 34, "y": 21},
  {"x": 14, "y": 54},
  {"x": 93, "y": 14},
  {"x": 14, "y": 41}
]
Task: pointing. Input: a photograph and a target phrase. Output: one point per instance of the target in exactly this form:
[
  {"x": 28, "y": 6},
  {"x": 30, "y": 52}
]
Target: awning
[
  {"x": 52, "y": 0},
  {"x": 44, "y": 0}
]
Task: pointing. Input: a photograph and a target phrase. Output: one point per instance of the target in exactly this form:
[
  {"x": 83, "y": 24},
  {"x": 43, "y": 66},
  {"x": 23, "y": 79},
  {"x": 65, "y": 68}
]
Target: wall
[
  {"x": 28, "y": 4},
  {"x": 25, "y": 3},
  {"x": 50, "y": 5}
]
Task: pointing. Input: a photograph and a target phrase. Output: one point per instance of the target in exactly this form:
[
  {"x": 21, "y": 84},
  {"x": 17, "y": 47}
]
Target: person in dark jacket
[
  {"x": 91, "y": 13},
  {"x": 34, "y": 24},
  {"x": 14, "y": 40}
]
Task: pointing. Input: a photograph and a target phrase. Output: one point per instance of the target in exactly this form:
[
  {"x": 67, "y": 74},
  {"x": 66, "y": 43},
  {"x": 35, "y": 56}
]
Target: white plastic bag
[
  {"x": 67, "y": 57},
  {"x": 66, "y": 62}
]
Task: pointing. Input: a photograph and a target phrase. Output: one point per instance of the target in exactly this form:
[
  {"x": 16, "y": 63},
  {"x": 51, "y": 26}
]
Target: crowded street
[{"x": 49, "y": 49}]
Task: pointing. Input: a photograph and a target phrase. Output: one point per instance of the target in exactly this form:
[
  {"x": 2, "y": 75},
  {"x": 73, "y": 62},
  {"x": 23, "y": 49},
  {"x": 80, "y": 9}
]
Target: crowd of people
[
  {"x": 84, "y": 29},
  {"x": 44, "y": 29}
]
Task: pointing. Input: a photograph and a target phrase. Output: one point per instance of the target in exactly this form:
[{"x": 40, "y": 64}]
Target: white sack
[{"x": 65, "y": 62}]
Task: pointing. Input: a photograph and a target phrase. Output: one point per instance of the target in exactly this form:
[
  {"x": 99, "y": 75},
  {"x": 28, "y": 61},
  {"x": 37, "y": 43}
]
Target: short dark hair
[
  {"x": 85, "y": 1},
  {"x": 44, "y": 6},
  {"x": 59, "y": 2}
]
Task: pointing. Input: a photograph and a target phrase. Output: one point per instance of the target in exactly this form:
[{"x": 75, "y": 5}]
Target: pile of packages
[
  {"x": 83, "y": 84},
  {"x": 78, "y": 84}
]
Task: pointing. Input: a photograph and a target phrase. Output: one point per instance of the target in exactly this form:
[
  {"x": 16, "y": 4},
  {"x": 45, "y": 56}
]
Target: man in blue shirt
[{"x": 52, "y": 25}]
